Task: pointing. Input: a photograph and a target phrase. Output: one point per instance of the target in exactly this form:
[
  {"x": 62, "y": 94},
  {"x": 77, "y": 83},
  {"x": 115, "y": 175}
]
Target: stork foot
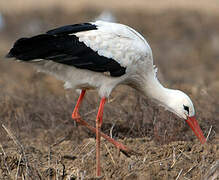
[
  {"x": 76, "y": 116},
  {"x": 126, "y": 151}
]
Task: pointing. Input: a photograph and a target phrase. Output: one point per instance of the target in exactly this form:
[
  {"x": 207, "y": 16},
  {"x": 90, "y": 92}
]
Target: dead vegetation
[
  {"x": 39, "y": 140},
  {"x": 66, "y": 160}
]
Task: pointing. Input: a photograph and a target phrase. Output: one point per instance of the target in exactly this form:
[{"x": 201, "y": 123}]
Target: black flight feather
[
  {"x": 69, "y": 29},
  {"x": 62, "y": 46}
]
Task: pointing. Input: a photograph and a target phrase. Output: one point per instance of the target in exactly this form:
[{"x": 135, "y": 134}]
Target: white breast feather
[{"x": 116, "y": 41}]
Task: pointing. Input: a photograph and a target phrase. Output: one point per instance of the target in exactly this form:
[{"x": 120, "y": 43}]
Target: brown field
[{"x": 38, "y": 138}]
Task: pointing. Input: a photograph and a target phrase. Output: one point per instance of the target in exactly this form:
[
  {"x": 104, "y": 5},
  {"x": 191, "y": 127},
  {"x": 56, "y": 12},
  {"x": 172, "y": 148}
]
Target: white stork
[{"x": 101, "y": 55}]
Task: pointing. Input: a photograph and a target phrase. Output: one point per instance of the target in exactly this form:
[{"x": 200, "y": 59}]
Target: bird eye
[{"x": 186, "y": 108}]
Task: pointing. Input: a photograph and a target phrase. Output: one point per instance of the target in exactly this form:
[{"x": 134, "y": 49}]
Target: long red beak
[{"x": 196, "y": 128}]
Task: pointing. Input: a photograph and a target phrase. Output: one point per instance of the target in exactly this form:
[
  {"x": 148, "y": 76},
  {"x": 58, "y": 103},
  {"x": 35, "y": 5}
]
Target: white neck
[
  {"x": 173, "y": 100},
  {"x": 147, "y": 83},
  {"x": 153, "y": 89}
]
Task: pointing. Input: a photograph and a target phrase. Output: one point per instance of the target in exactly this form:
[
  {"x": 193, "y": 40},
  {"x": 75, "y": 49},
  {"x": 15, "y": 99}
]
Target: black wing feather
[
  {"x": 69, "y": 29},
  {"x": 61, "y": 46}
]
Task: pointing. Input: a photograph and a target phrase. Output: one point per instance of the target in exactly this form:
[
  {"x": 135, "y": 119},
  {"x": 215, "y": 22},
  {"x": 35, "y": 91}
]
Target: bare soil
[{"x": 39, "y": 140}]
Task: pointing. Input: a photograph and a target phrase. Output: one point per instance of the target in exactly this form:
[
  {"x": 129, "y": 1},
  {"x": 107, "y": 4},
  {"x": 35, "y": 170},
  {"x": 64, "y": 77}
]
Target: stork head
[{"x": 181, "y": 105}]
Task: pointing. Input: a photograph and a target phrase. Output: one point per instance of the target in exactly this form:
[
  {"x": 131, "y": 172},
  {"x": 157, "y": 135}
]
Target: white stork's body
[
  {"x": 102, "y": 55},
  {"x": 112, "y": 40}
]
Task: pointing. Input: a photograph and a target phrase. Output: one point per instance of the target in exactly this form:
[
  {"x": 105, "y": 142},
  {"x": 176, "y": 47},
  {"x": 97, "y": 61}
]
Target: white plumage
[
  {"x": 112, "y": 40},
  {"x": 116, "y": 41}
]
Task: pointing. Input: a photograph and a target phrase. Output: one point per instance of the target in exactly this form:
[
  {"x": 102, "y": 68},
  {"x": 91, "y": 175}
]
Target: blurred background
[{"x": 183, "y": 35}]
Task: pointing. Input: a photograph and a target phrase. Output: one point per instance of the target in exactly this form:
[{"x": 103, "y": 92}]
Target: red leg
[
  {"x": 120, "y": 146},
  {"x": 78, "y": 119},
  {"x": 99, "y": 122},
  {"x": 75, "y": 114}
]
